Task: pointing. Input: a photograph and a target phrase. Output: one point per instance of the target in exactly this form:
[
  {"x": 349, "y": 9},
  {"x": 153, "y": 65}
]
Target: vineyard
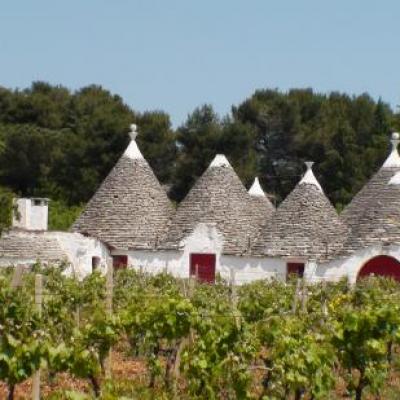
[{"x": 180, "y": 339}]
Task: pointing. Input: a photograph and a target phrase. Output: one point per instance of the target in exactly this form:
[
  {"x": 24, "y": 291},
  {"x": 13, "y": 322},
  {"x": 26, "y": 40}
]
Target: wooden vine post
[
  {"x": 109, "y": 310},
  {"x": 295, "y": 297},
  {"x": 16, "y": 280},
  {"x": 304, "y": 296},
  {"x": 38, "y": 305},
  {"x": 234, "y": 298}
]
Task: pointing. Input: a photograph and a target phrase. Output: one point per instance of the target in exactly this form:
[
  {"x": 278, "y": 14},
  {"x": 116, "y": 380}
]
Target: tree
[
  {"x": 198, "y": 141},
  {"x": 156, "y": 140},
  {"x": 26, "y": 162},
  {"x": 6, "y": 208}
]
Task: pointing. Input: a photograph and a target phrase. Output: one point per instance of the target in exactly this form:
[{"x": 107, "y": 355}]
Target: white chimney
[{"x": 31, "y": 214}]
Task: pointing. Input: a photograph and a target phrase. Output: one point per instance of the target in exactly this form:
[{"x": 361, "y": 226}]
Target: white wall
[
  {"x": 155, "y": 262},
  {"x": 206, "y": 239},
  {"x": 350, "y": 267},
  {"x": 80, "y": 250},
  {"x": 31, "y": 216},
  {"x": 39, "y": 215},
  {"x": 248, "y": 269}
]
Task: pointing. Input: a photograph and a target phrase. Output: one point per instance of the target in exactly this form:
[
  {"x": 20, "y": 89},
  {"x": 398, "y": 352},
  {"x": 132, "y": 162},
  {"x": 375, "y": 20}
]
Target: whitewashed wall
[
  {"x": 206, "y": 239},
  {"x": 80, "y": 250},
  {"x": 248, "y": 269},
  {"x": 31, "y": 216},
  {"x": 350, "y": 267},
  {"x": 155, "y": 262},
  {"x": 39, "y": 215}
]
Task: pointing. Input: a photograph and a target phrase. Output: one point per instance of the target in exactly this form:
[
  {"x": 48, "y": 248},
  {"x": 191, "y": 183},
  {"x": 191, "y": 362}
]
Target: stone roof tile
[{"x": 31, "y": 245}]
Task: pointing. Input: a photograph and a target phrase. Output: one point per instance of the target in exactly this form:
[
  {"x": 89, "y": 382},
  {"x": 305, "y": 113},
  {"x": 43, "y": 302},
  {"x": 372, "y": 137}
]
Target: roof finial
[
  {"x": 133, "y": 133},
  {"x": 132, "y": 151},
  {"x": 395, "y": 140},
  {"x": 393, "y": 161}
]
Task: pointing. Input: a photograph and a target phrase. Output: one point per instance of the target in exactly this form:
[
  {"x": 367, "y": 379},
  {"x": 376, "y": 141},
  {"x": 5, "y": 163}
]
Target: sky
[{"x": 175, "y": 55}]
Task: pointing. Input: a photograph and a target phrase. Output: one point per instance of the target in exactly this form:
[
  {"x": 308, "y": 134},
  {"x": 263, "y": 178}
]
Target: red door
[
  {"x": 383, "y": 266},
  {"x": 295, "y": 269},
  {"x": 205, "y": 265}
]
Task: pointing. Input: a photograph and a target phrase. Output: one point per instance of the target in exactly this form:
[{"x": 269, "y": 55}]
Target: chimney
[{"x": 31, "y": 214}]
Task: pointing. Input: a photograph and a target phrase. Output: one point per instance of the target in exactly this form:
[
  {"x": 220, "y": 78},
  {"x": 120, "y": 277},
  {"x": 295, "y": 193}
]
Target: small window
[
  {"x": 120, "y": 262},
  {"x": 295, "y": 269},
  {"x": 95, "y": 263},
  {"x": 37, "y": 202}
]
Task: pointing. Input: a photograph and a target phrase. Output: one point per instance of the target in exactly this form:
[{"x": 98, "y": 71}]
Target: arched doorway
[{"x": 382, "y": 266}]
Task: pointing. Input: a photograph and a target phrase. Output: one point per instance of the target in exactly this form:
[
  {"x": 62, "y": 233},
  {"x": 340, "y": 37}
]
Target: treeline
[{"x": 61, "y": 144}]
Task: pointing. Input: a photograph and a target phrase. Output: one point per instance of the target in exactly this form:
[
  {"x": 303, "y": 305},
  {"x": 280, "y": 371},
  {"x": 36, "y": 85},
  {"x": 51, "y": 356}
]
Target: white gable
[
  {"x": 220, "y": 161},
  {"x": 133, "y": 152},
  {"x": 256, "y": 189},
  {"x": 395, "y": 179},
  {"x": 309, "y": 177}
]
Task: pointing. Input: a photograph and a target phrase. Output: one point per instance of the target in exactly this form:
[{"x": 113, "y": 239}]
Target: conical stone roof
[
  {"x": 130, "y": 210},
  {"x": 373, "y": 215},
  {"x": 305, "y": 225},
  {"x": 218, "y": 197}
]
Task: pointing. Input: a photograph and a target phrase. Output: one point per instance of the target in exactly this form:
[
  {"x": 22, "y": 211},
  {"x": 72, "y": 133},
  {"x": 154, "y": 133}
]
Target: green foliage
[
  {"x": 61, "y": 144},
  {"x": 6, "y": 208},
  {"x": 62, "y": 216},
  {"x": 365, "y": 327},
  {"x": 300, "y": 356},
  {"x": 21, "y": 350},
  {"x": 197, "y": 343}
]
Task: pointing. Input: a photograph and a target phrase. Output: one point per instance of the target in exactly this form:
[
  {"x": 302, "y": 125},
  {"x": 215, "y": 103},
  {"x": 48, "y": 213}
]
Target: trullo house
[{"x": 220, "y": 228}]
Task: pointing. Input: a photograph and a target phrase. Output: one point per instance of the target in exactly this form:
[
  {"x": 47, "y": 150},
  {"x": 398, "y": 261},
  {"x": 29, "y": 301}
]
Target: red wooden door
[
  {"x": 381, "y": 265},
  {"x": 295, "y": 269},
  {"x": 205, "y": 264}
]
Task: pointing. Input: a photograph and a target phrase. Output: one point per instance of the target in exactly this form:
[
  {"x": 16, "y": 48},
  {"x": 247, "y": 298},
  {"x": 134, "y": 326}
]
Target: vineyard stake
[
  {"x": 109, "y": 306},
  {"x": 304, "y": 296},
  {"x": 234, "y": 298},
  {"x": 38, "y": 304},
  {"x": 17, "y": 276},
  {"x": 296, "y": 293}
]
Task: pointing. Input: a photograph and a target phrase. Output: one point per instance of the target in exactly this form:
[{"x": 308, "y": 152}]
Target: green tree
[
  {"x": 198, "y": 141},
  {"x": 157, "y": 142}
]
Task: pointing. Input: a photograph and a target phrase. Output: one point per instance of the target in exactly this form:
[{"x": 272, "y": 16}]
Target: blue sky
[{"x": 175, "y": 55}]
